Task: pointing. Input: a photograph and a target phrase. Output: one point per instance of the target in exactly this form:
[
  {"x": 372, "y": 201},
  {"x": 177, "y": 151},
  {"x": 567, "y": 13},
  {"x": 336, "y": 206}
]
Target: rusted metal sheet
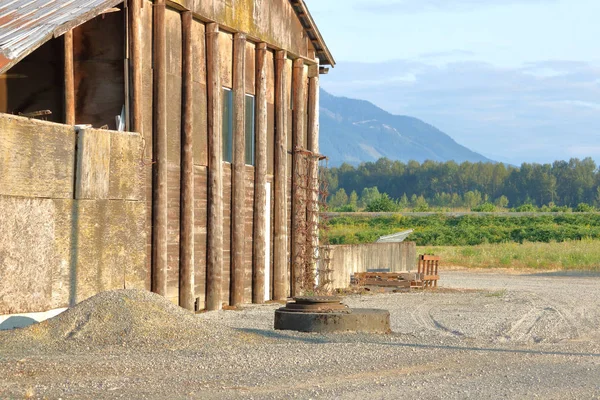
[{"x": 27, "y": 24}]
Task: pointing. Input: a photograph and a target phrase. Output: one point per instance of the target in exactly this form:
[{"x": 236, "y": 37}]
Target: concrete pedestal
[{"x": 358, "y": 320}]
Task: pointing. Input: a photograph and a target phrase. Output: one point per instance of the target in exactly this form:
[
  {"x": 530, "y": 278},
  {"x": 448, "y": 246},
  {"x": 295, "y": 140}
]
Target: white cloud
[
  {"x": 413, "y": 6},
  {"x": 583, "y": 151},
  {"x": 492, "y": 110}
]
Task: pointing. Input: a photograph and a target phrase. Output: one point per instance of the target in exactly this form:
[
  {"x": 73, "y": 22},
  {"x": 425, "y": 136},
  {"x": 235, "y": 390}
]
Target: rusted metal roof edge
[
  {"x": 6, "y": 63},
  {"x": 309, "y": 25}
]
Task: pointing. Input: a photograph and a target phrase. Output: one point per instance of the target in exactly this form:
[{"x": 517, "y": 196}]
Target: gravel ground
[{"x": 482, "y": 334}]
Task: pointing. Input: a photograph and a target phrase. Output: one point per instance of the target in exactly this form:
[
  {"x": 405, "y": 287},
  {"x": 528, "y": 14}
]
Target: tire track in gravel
[
  {"x": 422, "y": 315},
  {"x": 547, "y": 316}
]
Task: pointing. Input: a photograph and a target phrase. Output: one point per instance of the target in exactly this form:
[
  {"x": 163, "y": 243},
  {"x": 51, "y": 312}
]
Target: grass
[
  {"x": 445, "y": 230},
  {"x": 582, "y": 255}
]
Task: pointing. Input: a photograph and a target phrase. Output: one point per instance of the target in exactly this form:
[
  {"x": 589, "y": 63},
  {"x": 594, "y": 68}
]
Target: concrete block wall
[
  {"x": 349, "y": 259},
  {"x": 72, "y": 214}
]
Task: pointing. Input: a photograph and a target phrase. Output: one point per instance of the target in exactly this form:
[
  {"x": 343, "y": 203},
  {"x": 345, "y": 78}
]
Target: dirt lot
[{"x": 483, "y": 334}]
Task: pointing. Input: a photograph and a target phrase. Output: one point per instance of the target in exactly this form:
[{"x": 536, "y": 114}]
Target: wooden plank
[
  {"x": 100, "y": 245},
  {"x": 239, "y": 167},
  {"x": 199, "y": 93},
  {"x": 260, "y": 182},
  {"x": 28, "y": 144},
  {"x": 93, "y": 164},
  {"x": 214, "y": 261},
  {"x": 159, "y": 193},
  {"x": 27, "y": 242},
  {"x": 186, "y": 235},
  {"x": 280, "y": 232},
  {"x": 384, "y": 275},
  {"x": 126, "y": 167},
  {"x": 69, "y": 79},
  {"x": 200, "y": 232},
  {"x": 251, "y": 68},
  {"x": 374, "y": 282},
  {"x": 226, "y": 59},
  {"x": 174, "y": 62},
  {"x": 249, "y": 233}
]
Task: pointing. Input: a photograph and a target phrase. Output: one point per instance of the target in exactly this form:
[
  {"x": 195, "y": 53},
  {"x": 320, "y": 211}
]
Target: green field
[
  {"x": 572, "y": 255},
  {"x": 467, "y": 230},
  {"x": 544, "y": 242}
]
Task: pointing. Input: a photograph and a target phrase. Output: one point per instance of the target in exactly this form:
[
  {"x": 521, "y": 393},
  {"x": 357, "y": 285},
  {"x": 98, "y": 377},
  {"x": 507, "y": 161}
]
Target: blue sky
[{"x": 516, "y": 80}]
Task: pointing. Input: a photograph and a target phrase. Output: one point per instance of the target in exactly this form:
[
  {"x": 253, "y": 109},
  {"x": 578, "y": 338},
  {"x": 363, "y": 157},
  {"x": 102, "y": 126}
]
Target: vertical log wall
[{"x": 208, "y": 219}]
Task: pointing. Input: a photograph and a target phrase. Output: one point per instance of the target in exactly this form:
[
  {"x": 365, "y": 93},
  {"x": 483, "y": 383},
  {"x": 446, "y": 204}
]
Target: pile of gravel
[{"x": 121, "y": 317}]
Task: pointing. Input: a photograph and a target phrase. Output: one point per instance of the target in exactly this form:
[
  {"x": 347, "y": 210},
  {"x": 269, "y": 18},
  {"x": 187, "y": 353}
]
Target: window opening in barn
[
  {"x": 35, "y": 86},
  {"x": 249, "y": 129},
  {"x": 36, "y": 83},
  {"x": 227, "y": 125}
]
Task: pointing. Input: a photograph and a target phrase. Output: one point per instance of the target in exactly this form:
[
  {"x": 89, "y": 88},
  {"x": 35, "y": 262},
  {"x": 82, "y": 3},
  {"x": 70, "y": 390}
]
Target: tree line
[{"x": 387, "y": 185}]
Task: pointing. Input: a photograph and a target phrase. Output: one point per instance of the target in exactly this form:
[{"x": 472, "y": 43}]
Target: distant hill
[{"x": 356, "y": 131}]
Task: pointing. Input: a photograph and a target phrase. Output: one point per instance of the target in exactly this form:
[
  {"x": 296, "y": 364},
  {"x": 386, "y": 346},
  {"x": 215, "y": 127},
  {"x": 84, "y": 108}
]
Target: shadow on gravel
[
  {"x": 488, "y": 349},
  {"x": 281, "y": 335},
  {"x": 16, "y": 322},
  {"x": 567, "y": 274}
]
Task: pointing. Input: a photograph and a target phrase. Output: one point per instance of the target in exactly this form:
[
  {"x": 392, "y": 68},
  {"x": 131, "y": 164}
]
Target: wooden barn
[{"x": 225, "y": 96}]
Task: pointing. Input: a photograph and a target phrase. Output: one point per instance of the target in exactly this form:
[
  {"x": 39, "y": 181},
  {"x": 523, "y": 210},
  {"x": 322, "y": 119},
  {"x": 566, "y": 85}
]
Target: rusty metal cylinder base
[{"x": 358, "y": 320}]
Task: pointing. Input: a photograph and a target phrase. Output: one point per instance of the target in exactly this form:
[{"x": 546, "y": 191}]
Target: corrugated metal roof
[{"x": 27, "y": 24}]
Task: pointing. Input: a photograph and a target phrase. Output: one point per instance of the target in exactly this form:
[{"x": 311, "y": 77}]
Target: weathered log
[
  {"x": 136, "y": 46},
  {"x": 280, "y": 236},
  {"x": 260, "y": 178},
  {"x": 239, "y": 166},
  {"x": 214, "y": 253},
  {"x": 312, "y": 209},
  {"x": 186, "y": 234},
  {"x": 299, "y": 179},
  {"x": 159, "y": 187}
]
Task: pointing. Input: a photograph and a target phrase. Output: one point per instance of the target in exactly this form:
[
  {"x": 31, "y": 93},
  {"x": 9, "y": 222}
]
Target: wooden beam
[
  {"x": 280, "y": 234},
  {"x": 69, "y": 80},
  {"x": 214, "y": 252},
  {"x": 239, "y": 165},
  {"x": 313, "y": 114},
  {"x": 312, "y": 209},
  {"x": 260, "y": 177},
  {"x": 186, "y": 234},
  {"x": 136, "y": 56},
  {"x": 299, "y": 184},
  {"x": 159, "y": 184}
]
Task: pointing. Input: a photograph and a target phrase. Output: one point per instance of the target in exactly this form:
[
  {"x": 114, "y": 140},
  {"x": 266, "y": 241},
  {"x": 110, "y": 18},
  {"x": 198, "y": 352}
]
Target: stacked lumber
[
  {"x": 385, "y": 279},
  {"x": 426, "y": 276}
]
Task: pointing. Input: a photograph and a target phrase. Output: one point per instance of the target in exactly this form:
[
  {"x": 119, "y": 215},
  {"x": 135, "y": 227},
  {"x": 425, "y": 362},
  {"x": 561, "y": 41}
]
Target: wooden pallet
[{"x": 427, "y": 275}]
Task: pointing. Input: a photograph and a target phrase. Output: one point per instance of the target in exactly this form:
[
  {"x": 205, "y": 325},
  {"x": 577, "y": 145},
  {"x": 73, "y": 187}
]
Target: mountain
[{"x": 355, "y": 131}]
